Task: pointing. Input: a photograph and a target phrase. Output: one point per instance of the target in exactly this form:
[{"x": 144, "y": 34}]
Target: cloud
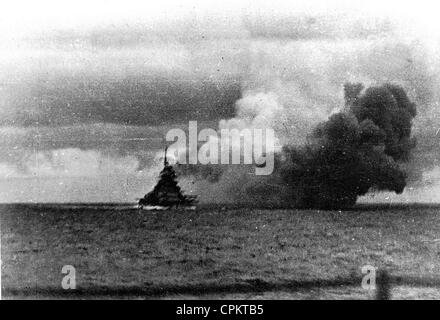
[
  {"x": 71, "y": 162},
  {"x": 75, "y": 175},
  {"x": 191, "y": 68}
]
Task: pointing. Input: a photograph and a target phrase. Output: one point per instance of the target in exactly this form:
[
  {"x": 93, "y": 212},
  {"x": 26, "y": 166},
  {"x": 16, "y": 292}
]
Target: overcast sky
[{"x": 89, "y": 89}]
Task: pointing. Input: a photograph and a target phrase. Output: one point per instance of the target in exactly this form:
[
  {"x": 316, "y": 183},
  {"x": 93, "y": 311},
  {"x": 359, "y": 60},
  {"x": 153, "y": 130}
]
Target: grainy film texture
[{"x": 220, "y": 150}]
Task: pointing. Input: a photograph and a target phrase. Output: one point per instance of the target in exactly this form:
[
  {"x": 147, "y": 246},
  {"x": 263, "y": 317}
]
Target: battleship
[{"x": 167, "y": 194}]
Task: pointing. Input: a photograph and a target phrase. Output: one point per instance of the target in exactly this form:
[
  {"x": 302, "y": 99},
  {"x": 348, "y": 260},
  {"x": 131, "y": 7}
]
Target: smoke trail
[{"x": 358, "y": 149}]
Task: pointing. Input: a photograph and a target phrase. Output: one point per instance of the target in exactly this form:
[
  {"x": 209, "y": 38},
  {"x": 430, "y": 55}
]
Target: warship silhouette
[{"x": 167, "y": 194}]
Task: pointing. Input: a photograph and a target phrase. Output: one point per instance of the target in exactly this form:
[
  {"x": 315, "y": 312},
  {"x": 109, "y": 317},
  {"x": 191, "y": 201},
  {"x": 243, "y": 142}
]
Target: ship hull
[{"x": 162, "y": 208}]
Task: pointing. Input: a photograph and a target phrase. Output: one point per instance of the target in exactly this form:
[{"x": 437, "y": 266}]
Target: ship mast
[{"x": 165, "y": 161}]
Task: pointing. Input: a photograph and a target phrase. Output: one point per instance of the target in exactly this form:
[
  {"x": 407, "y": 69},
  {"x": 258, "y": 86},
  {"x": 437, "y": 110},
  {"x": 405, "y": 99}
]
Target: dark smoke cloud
[{"x": 357, "y": 150}]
